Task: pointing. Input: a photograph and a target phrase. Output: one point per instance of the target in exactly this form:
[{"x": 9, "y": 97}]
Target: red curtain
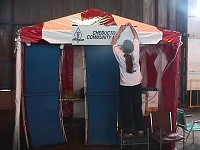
[
  {"x": 170, "y": 77},
  {"x": 67, "y": 79},
  {"x": 170, "y": 81}
]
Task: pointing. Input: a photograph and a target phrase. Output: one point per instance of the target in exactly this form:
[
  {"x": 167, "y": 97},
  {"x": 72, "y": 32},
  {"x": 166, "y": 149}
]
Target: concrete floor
[{"x": 77, "y": 141}]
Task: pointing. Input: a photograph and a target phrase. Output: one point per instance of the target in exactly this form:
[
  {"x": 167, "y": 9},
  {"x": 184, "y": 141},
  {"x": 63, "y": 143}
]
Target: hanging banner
[
  {"x": 102, "y": 35},
  {"x": 93, "y": 35}
]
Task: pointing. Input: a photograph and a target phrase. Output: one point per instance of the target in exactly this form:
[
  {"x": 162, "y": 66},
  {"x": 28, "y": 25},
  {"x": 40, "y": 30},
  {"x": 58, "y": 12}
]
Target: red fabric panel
[
  {"x": 170, "y": 78},
  {"x": 31, "y": 34},
  {"x": 67, "y": 107},
  {"x": 170, "y": 36},
  {"x": 91, "y": 13},
  {"x": 67, "y": 79},
  {"x": 170, "y": 81},
  {"x": 67, "y": 68}
]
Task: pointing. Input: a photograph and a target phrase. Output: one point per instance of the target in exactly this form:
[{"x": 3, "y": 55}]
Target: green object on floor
[{"x": 193, "y": 126}]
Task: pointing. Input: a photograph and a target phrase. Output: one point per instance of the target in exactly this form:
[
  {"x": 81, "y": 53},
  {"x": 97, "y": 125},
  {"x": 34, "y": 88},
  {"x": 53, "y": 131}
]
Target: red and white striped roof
[{"x": 58, "y": 31}]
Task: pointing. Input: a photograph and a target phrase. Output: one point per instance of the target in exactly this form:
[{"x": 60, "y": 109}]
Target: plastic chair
[
  {"x": 161, "y": 128},
  {"x": 130, "y": 141},
  {"x": 193, "y": 126}
]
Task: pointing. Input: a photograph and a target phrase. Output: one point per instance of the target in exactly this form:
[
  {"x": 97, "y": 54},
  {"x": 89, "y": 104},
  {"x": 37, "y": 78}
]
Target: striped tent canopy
[{"x": 59, "y": 30}]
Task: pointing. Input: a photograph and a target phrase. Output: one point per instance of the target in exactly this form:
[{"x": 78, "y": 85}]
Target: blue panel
[
  {"x": 102, "y": 94},
  {"x": 42, "y": 69},
  {"x": 102, "y": 112},
  {"x": 102, "y": 70},
  {"x": 43, "y": 120},
  {"x": 42, "y": 94}
]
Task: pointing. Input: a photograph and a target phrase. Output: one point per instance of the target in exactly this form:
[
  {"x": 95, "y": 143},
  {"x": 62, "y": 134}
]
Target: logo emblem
[{"x": 78, "y": 35}]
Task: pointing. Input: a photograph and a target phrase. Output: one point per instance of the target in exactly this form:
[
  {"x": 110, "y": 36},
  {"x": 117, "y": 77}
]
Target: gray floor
[{"x": 188, "y": 144}]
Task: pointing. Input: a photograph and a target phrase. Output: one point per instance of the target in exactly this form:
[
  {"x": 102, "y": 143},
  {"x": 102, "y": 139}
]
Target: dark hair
[{"x": 129, "y": 63}]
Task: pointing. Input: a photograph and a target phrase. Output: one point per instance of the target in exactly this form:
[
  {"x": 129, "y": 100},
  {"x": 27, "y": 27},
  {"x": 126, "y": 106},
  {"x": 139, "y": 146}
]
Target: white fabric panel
[
  {"x": 149, "y": 37},
  {"x": 160, "y": 63},
  {"x": 78, "y": 109},
  {"x": 78, "y": 82},
  {"x": 78, "y": 72},
  {"x": 57, "y": 37},
  {"x": 65, "y": 37}
]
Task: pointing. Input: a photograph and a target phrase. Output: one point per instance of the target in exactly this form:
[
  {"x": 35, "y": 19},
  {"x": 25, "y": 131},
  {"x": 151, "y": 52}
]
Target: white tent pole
[
  {"x": 85, "y": 87},
  {"x": 16, "y": 138},
  {"x": 60, "y": 90}
]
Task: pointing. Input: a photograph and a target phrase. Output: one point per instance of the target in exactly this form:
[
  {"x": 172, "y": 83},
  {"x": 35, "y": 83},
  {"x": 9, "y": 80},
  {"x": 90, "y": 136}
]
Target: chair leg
[
  {"x": 192, "y": 137},
  {"x": 187, "y": 136}
]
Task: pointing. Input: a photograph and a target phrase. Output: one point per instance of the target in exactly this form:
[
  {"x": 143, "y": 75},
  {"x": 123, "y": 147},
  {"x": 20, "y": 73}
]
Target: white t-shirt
[{"x": 129, "y": 79}]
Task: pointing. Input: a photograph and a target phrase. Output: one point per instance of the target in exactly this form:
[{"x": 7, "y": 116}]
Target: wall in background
[{"x": 193, "y": 70}]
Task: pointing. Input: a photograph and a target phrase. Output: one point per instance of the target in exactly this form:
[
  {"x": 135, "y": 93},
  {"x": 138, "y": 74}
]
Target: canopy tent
[
  {"x": 58, "y": 31},
  {"x": 159, "y": 62}
]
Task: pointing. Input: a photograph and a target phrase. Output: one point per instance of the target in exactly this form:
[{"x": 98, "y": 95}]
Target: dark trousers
[{"x": 131, "y": 117}]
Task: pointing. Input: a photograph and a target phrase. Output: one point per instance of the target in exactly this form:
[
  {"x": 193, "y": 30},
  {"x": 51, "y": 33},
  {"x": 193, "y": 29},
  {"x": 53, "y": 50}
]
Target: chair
[
  {"x": 128, "y": 141},
  {"x": 193, "y": 126},
  {"x": 161, "y": 128}
]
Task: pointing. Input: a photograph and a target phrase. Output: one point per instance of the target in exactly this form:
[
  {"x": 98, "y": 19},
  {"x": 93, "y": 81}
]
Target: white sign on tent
[{"x": 102, "y": 35}]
